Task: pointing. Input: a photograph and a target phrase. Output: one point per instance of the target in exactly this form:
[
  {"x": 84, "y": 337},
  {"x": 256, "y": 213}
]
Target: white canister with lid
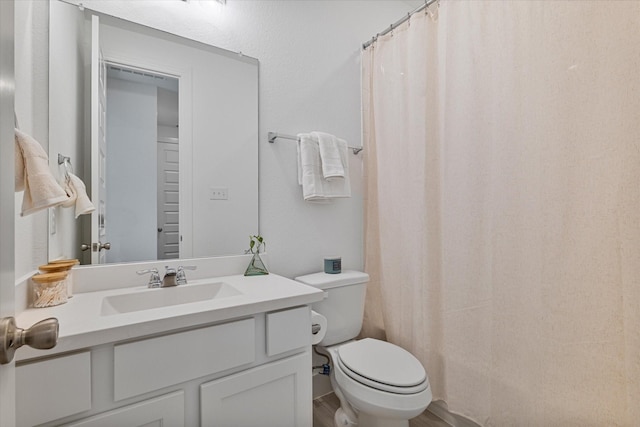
[{"x": 49, "y": 289}]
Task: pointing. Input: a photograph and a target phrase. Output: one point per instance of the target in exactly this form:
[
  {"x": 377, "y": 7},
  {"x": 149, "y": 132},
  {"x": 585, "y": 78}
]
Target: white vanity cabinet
[{"x": 249, "y": 371}]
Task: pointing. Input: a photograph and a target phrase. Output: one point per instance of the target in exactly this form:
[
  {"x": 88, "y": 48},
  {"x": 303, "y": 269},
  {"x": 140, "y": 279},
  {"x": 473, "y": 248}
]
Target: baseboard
[{"x": 440, "y": 409}]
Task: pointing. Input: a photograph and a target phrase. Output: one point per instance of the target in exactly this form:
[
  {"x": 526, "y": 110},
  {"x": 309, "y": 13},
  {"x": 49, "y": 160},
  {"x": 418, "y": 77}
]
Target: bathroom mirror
[{"x": 176, "y": 175}]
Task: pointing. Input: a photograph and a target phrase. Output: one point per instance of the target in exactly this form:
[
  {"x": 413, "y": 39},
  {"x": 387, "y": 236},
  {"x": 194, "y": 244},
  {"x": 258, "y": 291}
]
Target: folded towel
[
  {"x": 77, "y": 193},
  {"x": 41, "y": 190},
  {"x": 332, "y": 151},
  {"x": 315, "y": 188}
]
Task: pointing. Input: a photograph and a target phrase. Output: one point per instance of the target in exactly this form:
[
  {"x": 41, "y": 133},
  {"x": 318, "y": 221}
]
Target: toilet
[{"x": 378, "y": 383}]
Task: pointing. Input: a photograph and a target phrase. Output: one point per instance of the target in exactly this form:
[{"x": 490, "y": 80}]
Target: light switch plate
[{"x": 218, "y": 193}]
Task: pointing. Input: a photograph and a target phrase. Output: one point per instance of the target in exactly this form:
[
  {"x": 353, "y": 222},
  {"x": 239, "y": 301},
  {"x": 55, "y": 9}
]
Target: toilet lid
[{"x": 383, "y": 363}]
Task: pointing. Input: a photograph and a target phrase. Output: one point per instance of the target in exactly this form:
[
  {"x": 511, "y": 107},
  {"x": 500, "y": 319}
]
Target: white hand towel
[
  {"x": 315, "y": 188},
  {"x": 77, "y": 193},
  {"x": 332, "y": 151},
  {"x": 41, "y": 189}
]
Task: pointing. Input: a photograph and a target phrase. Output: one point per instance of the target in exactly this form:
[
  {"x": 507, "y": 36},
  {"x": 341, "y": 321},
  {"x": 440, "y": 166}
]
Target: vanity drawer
[
  {"x": 288, "y": 330},
  {"x": 155, "y": 363},
  {"x": 53, "y": 388},
  {"x": 167, "y": 410}
]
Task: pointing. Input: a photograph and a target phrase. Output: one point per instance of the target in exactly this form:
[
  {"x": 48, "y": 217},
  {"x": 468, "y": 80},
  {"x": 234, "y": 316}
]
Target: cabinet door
[
  {"x": 277, "y": 394},
  {"x": 53, "y": 388},
  {"x": 167, "y": 410}
]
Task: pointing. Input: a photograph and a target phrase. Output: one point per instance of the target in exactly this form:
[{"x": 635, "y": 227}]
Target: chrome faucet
[
  {"x": 169, "y": 278},
  {"x": 172, "y": 276},
  {"x": 154, "y": 279},
  {"x": 181, "y": 277}
]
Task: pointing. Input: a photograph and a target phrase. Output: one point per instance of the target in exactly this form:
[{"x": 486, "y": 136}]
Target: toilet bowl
[
  {"x": 378, "y": 383},
  {"x": 384, "y": 384}
]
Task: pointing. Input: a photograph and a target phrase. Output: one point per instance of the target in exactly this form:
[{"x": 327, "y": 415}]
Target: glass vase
[{"x": 256, "y": 267}]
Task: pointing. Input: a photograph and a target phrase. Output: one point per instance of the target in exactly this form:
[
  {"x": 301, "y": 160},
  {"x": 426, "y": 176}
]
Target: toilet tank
[{"x": 344, "y": 305}]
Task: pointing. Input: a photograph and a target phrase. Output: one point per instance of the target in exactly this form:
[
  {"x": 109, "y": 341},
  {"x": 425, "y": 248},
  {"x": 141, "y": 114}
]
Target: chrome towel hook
[{"x": 66, "y": 163}]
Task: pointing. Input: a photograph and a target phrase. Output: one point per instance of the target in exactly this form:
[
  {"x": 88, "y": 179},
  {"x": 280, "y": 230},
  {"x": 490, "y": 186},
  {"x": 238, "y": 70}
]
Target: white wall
[
  {"x": 132, "y": 188},
  {"x": 309, "y": 54}
]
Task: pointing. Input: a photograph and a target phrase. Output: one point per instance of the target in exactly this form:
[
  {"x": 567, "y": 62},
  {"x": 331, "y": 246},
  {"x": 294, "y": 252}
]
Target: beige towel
[
  {"x": 315, "y": 188},
  {"x": 77, "y": 193},
  {"x": 41, "y": 190}
]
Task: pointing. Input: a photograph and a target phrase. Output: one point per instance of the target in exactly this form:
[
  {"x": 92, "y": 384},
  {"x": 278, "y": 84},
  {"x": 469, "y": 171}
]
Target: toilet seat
[{"x": 382, "y": 366}]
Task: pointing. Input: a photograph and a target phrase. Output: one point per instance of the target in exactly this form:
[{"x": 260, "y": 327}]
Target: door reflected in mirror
[{"x": 142, "y": 165}]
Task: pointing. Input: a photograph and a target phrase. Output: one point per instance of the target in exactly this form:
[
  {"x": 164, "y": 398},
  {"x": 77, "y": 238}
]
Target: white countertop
[{"x": 82, "y": 325}]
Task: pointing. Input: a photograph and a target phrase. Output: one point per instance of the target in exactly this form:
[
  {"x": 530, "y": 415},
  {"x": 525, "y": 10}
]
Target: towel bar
[{"x": 274, "y": 135}]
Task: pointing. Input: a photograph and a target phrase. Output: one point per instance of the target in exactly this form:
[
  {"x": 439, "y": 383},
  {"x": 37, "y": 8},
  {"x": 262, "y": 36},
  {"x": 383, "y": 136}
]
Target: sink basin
[{"x": 165, "y": 297}]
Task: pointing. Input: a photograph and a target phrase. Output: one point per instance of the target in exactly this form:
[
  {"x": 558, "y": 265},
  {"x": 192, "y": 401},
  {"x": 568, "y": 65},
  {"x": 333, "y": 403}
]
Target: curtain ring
[{"x": 428, "y": 11}]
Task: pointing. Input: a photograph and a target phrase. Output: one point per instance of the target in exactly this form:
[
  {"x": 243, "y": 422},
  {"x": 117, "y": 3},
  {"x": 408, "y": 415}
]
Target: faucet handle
[
  {"x": 154, "y": 279},
  {"x": 181, "y": 278}
]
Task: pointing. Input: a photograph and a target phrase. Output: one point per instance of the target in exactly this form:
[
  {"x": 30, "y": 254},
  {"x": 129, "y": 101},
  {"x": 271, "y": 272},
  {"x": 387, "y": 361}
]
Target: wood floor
[{"x": 324, "y": 407}]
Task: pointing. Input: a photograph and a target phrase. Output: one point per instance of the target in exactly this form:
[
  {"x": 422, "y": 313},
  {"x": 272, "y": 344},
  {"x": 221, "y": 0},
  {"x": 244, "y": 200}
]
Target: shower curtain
[{"x": 502, "y": 207}]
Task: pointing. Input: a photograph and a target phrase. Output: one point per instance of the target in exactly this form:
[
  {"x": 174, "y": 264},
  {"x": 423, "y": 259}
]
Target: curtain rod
[
  {"x": 396, "y": 24},
  {"x": 274, "y": 135}
]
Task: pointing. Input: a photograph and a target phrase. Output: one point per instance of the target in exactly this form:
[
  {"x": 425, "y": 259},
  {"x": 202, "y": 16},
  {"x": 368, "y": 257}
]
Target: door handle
[
  {"x": 84, "y": 247},
  {"x": 97, "y": 247},
  {"x": 159, "y": 229},
  {"x": 43, "y": 335}
]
